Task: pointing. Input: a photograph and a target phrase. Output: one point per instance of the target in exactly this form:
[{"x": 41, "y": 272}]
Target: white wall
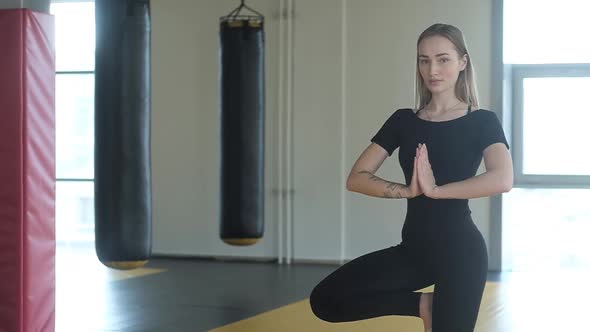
[
  {"x": 318, "y": 121},
  {"x": 353, "y": 64},
  {"x": 36, "y": 5},
  {"x": 186, "y": 126}
]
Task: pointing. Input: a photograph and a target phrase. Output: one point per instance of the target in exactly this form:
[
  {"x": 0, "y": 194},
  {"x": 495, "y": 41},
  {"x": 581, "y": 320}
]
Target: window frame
[
  {"x": 518, "y": 73},
  {"x": 81, "y": 232},
  {"x": 75, "y": 72}
]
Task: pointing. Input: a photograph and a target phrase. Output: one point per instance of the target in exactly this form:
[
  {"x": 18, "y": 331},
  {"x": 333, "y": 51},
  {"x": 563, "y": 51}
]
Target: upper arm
[
  {"x": 388, "y": 136},
  {"x": 370, "y": 159},
  {"x": 497, "y": 158},
  {"x": 382, "y": 145}
]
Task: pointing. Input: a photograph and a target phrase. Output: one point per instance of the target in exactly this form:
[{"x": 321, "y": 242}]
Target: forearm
[
  {"x": 369, "y": 184},
  {"x": 486, "y": 184}
]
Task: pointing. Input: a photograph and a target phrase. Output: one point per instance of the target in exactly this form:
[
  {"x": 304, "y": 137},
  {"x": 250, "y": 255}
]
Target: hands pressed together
[{"x": 423, "y": 181}]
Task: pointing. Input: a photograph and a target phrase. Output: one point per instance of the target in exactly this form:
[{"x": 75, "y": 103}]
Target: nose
[{"x": 432, "y": 70}]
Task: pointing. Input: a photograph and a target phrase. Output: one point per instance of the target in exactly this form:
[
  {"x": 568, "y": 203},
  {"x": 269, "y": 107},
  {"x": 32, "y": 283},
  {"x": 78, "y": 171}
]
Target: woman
[{"x": 442, "y": 142}]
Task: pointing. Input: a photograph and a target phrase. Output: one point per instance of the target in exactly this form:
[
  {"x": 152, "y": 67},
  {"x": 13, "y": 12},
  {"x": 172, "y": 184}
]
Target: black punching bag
[
  {"x": 242, "y": 128},
  {"x": 122, "y": 167}
]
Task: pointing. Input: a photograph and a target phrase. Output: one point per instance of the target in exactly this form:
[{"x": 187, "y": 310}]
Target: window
[
  {"x": 74, "y": 31},
  {"x": 74, "y": 102},
  {"x": 547, "y": 66},
  {"x": 545, "y": 229},
  {"x": 544, "y": 31},
  {"x": 550, "y": 124}
]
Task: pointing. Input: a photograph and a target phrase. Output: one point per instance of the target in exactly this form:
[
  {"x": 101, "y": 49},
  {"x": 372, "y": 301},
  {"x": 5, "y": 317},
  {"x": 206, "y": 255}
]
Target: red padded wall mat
[{"x": 27, "y": 171}]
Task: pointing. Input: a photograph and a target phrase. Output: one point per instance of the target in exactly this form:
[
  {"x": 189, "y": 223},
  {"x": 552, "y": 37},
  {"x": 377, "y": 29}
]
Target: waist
[
  {"x": 433, "y": 231},
  {"x": 423, "y": 206}
]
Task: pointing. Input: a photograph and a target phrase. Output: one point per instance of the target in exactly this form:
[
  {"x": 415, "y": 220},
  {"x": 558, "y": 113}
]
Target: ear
[{"x": 463, "y": 62}]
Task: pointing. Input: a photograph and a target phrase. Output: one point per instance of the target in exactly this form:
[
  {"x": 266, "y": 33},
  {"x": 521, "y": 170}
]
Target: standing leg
[
  {"x": 376, "y": 284},
  {"x": 460, "y": 282}
]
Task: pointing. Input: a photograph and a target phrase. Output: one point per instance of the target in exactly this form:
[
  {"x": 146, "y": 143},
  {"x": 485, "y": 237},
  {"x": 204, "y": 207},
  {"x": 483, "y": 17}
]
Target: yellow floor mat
[
  {"x": 540, "y": 301},
  {"x": 297, "y": 317}
]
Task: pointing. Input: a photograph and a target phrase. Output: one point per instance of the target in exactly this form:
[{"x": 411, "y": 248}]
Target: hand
[
  {"x": 414, "y": 189},
  {"x": 425, "y": 176}
]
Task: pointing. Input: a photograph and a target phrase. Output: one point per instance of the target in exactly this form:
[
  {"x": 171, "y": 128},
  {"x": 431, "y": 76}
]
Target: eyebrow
[{"x": 440, "y": 54}]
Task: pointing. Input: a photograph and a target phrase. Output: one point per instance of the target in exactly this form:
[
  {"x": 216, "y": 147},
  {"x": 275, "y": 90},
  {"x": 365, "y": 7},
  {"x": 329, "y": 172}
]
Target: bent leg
[{"x": 376, "y": 284}]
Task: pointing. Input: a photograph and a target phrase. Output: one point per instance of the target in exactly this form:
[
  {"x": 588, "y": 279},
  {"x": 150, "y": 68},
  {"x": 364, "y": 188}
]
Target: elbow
[
  {"x": 349, "y": 184},
  {"x": 508, "y": 184},
  {"x": 503, "y": 180}
]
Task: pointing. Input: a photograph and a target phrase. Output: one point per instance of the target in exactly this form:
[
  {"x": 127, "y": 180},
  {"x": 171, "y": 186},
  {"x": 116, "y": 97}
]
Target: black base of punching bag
[
  {"x": 242, "y": 130},
  {"x": 123, "y": 216}
]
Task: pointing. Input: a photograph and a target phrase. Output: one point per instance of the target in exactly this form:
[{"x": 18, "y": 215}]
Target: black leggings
[{"x": 384, "y": 283}]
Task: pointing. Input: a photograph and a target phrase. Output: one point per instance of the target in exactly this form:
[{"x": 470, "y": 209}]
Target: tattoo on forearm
[
  {"x": 371, "y": 176},
  {"x": 393, "y": 188}
]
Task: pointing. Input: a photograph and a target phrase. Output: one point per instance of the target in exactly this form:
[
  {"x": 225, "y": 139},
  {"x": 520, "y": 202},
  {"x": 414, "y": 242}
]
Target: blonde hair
[{"x": 466, "y": 87}]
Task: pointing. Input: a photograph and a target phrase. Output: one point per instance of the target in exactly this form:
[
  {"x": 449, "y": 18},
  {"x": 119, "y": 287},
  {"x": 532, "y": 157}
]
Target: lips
[{"x": 434, "y": 81}]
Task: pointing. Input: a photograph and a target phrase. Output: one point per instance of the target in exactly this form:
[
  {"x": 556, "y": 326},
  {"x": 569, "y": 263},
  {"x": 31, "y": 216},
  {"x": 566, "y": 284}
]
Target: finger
[{"x": 422, "y": 159}]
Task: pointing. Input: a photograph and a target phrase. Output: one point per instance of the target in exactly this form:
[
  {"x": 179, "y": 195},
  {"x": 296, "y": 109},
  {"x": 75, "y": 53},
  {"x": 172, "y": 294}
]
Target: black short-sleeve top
[{"x": 455, "y": 147}]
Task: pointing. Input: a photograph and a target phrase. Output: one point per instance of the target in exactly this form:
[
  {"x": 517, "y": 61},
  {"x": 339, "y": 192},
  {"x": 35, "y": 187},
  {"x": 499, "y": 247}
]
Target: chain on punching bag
[
  {"x": 242, "y": 127},
  {"x": 122, "y": 166}
]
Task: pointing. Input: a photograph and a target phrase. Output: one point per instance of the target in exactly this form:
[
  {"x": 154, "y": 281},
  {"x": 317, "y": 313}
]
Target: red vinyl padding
[{"x": 27, "y": 171}]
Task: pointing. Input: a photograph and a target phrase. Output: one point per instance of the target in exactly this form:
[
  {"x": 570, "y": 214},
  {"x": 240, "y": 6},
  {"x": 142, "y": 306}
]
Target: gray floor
[{"x": 199, "y": 295}]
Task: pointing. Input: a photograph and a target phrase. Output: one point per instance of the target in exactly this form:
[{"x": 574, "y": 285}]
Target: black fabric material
[
  {"x": 123, "y": 216},
  {"x": 242, "y": 130},
  {"x": 455, "y": 151}
]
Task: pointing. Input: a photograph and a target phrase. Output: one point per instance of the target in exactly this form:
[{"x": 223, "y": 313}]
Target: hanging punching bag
[
  {"x": 242, "y": 128},
  {"x": 122, "y": 167}
]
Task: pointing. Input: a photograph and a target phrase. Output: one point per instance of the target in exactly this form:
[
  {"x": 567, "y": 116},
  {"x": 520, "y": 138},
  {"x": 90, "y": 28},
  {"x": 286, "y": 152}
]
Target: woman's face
[{"x": 439, "y": 64}]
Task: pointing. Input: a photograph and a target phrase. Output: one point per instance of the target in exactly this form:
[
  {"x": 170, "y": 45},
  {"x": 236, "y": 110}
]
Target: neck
[{"x": 443, "y": 102}]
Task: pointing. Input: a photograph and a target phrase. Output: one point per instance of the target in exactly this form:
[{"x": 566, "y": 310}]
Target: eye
[
  {"x": 423, "y": 61},
  {"x": 444, "y": 60}
]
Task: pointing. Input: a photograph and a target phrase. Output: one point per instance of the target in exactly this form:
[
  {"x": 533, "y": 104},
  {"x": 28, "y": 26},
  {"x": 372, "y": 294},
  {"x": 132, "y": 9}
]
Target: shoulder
[
  {"x": 485, "y": 116},
  {"x": 488, "y": 124},
  {"x": 484, "y": 113},
  {"x": 401, "y": 113},
  {"x": 405, "y": 110}
]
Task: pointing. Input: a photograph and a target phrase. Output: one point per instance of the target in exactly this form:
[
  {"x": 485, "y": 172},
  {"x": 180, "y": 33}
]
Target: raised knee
[{"x": 320, "y": 306}]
